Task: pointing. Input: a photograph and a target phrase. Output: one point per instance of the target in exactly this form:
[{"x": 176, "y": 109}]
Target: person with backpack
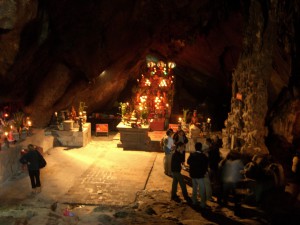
[
  {"x": 34, "y": 161},
  {"x": 168, "y": 145}
]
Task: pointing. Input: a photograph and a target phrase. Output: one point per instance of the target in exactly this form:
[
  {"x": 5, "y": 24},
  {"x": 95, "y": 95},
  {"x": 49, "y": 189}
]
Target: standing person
[
  {"x": 198, "y": 163},
  {"x": 213, "y": 161},
  {"x": 34, "y": 161},
  {"x": 177, "y": 160},
  {"x": 231, "y": 175},
  {"x": 168, "y": 145},
  {"x": 180, "y": 136}
]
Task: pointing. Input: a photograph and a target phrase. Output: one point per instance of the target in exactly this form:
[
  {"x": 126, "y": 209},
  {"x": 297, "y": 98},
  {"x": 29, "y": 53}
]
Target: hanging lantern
[
  {"x": 161, "y": 64},
  {"x": 151, "y": 64},
  {"x": 171, "y": 65}
]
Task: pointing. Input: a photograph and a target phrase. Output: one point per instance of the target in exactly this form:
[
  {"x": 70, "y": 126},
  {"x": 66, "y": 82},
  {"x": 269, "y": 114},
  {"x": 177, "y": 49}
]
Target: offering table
[
  {"x": 73, "y": 137},
  {"x": 133, "y": 138}
]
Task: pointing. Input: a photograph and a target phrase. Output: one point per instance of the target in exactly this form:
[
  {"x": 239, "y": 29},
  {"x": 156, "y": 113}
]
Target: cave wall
[
  {"x": 96, "y": 47},
  {"x": 55, "y": 54},
  {"x": 263, "y": 70}
]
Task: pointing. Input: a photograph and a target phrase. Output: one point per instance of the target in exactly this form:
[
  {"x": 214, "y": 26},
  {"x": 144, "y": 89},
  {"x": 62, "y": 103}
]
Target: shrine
[
  {"x": 150, "y": 107},
  {"x": 153, "y": 98}
]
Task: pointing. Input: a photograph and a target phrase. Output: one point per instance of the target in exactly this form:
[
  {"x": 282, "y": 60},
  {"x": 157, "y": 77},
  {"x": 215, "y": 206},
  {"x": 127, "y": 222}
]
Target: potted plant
[
  {"x": 185, "y": 111},
  {"x": 144, "y": 115},
  {"x": 18, "y": 122},
  {"x": 123, "y": 108}
]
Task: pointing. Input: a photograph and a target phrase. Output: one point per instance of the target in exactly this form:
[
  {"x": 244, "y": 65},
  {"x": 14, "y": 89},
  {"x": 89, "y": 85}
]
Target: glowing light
[
  {"x": 147, "y": 82},
  {"x": 151, "y": 64},
  {"x": 161, "y": 64},
  {"x": 143, "y": 98},
  {"x": 171, "y": 65},
  {"x": 239, "y": 96},
  {"x": 102, "y": 74},
  {"x": 208, "y": 120},
  {"x": 163, "y": 83}
]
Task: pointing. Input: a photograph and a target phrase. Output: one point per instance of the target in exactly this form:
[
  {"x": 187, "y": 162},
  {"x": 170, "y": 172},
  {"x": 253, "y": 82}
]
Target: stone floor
[{"x": 97, "y": 174}]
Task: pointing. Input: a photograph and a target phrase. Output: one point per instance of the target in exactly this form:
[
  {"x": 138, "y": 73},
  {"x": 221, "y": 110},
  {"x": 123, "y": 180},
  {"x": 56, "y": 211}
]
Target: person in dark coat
[
  {"x": 176, "y": 162},
  {"x": 33, "y": 160},
  {"x": 198, "y": 163},
  {"x": 180, "y": 136}
]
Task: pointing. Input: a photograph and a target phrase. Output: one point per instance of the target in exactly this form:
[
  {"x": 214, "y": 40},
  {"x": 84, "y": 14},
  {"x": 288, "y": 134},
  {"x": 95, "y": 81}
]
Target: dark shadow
[
  {"x": 216, "y": 217},
  {"x": 70, "y": 148},
  {"x": 220, "y": 218},
  {"x": 187, "y": 180}
]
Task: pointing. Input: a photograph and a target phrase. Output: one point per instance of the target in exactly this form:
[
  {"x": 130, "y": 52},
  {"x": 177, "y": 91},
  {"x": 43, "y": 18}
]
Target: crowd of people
[
  {"x": 210, "y": 174},
  {"x": 213, "y": 178},
  {"x": 216, "y": 178}
]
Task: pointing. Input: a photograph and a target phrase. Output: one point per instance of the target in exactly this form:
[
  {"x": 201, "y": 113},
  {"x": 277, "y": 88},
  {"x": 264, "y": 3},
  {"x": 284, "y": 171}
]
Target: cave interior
[{"x": 56, "y": 54}]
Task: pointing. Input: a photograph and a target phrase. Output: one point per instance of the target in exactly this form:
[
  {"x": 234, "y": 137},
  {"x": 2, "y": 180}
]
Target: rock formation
[{"x": 56, "y": 54}]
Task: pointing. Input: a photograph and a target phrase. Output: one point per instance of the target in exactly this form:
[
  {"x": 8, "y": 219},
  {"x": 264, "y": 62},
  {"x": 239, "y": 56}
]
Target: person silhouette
[
  {"x": 198, "y": 163},
  {"x": 34, "y": 160},
  {"x": 176, "y": 162}
]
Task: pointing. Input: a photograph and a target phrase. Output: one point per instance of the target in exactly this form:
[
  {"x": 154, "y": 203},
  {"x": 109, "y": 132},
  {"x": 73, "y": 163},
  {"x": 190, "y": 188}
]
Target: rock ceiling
[{"x": 55, "y": 54}]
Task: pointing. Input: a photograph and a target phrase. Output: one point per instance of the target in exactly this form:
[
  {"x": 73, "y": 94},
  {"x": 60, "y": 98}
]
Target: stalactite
[{"x": 246, "y": 121}]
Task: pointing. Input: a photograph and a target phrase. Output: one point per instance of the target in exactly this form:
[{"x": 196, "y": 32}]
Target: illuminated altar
[{"x": 153, "y": 97}]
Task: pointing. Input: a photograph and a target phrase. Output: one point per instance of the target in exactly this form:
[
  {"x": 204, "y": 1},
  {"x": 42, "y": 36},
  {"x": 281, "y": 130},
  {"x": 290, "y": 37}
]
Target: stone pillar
[{"x": 249, "y": 102}]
